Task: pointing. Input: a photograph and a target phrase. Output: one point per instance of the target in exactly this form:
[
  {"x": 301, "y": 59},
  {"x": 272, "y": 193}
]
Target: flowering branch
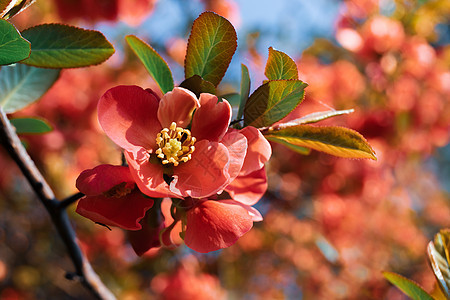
[{"x": 83, "y": 270}]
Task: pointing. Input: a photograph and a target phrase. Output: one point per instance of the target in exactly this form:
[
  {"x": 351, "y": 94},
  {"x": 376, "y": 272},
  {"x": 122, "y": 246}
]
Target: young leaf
[
  {"x": 21, "y": 85},
  {"x": 197, "y": 85},
  {"x": 338, "y": 141},
  {"x": 273, "y": 101},
  {"x": 407, "y": 286},
  {"x": 153, "y": 62},
  {"x": 63, "y": 46},
  {"x": 245, "y": 90},
  {"x": 30, "y": 126},
  {"x": 298, "y": 149},
  {"x": 210, "y": 48},
  {"x": 315, "y": 117},
  {"x": 13, "y": 47},
  {"x": 280, "y": 66},
  {"x": 438, "y": 254}
]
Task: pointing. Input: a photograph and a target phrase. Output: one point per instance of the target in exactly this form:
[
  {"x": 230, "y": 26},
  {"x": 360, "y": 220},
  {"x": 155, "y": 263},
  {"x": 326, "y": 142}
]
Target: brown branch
[{"x": 56, "y": 209}]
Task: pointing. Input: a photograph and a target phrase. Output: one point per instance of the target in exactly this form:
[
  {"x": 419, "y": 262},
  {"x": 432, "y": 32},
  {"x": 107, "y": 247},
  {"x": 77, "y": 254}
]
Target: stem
[
  {"x": 63, "y": 204},
  {"x": 83, "y": 270}
]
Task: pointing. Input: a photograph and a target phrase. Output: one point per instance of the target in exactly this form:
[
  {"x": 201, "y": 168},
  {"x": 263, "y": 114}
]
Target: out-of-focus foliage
[{"x": 331, "y": 225}]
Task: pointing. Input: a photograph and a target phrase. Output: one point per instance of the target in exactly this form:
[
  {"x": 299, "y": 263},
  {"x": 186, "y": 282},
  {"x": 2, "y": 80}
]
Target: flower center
[{"x": 175, "y": 145}]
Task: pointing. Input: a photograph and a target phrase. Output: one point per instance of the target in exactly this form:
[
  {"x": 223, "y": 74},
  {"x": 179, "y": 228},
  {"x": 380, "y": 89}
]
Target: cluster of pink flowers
[{"x": 179, "y": 147}]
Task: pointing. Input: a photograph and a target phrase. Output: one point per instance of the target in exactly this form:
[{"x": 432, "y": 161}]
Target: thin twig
[
  {"x": 63, "y": 204},
  {"x": 83, "y": 270}
]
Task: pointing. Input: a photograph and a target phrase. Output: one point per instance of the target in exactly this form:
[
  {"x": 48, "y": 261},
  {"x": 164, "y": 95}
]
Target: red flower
[
  {"x": 111, "y": 197},
  {"x": 251, "y": 183},
  {"x": 215, "y": 224},
  {"x": 165, "y": 157}
]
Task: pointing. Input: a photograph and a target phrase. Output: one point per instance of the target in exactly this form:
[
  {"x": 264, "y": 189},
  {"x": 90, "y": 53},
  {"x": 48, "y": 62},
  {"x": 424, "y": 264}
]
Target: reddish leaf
[
  {"x": 280, "y": 66},
  {"x": 211, "y": 46},
  {"x": 338, "y": 141}
]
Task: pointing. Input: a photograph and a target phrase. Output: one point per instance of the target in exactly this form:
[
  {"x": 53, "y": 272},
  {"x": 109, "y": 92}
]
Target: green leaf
[
  {"x": 197, "y": 85},
  {"x": 280, "y": 66},
  {"x": 315, "y": 117},
  {"x": 298, "y": 149},
  {"x": 232, "y": 98},
  {"x": 407, "y": 286},
  {"x": 438, "y": 254},
  {"x": 13, "y": 47},
  {"x": 210, "y": 48},
  {"x": 21, "y": 85},
  {"x": 338, "y": 141},
  {"x": 30, "y": 126},
  {"x": 153, "y": 62},
  {"x": 245, "y": 90},
  {"x": 10, "y": 8},
  {"x": 273, "y": 101},
  {"x": 63, "y": 46}
]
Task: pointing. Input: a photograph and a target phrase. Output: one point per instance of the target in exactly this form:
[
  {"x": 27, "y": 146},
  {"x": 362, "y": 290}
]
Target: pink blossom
[{"x": 166, "y": 158}]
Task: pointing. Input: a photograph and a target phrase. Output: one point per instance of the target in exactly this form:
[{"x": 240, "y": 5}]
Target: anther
[{"x": 175, "y": 144}]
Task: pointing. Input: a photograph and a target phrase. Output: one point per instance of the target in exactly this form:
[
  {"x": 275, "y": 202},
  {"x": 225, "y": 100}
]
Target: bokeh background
[{"x": 331, "y": 225}]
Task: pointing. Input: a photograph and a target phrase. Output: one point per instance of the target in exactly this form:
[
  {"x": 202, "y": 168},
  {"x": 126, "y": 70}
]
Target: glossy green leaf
[
  {"x": 338, "y": 141},
  {"x": 13, "y": 47},
  {"x": 298, "y": 149},
  {"x": 273, "y": 101},
  {"x": 21, "y": 85},
  {"x": 153, "y": 62},
  {"x": 10, "y": 8},
  {"x": 280, "y": 66},
  {"x": 197, "y": 85},
  {"x": 232, "y": 98},
  {"x": 210, "y": 48},
  {"x": 438, "y": 254},
  {"x": 245, "y": 90},
  {"x": 407, "y": 286},
  {"x": 30, "y": 126},
  {"x": 63, "y": 46}
]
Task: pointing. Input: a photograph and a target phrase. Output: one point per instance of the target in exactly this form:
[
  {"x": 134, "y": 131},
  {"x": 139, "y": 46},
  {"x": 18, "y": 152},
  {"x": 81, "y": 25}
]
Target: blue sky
[{"x": 287, "y": 25}]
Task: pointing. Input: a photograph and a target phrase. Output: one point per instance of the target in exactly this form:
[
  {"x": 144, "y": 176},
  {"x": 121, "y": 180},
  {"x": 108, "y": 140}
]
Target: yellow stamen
[{"x": 175, "y": 145}]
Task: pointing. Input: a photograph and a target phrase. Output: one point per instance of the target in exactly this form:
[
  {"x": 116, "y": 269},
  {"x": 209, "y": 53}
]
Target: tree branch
[{"x": 83, "y": 270}]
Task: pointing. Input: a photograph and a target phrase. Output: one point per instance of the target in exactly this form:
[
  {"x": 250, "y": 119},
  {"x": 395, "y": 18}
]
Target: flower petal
[
  {"x": 213, "y": 225},
  {"x": 236, "y": 144},
  {"x": 211, "y": 120},
  {"x": 148, "y": 176},
  {"x": 250, "y": 188},
  {"x": 177, "y": 106},
  {"x": 127, "y": 114},
  {"x": 102, "y": 178},
  {"x": 258, "y": 151},
  {"x": 252, "y": 212},
  {"x": 205, "y": 174},
  {"x": 124, "y": 212}
]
